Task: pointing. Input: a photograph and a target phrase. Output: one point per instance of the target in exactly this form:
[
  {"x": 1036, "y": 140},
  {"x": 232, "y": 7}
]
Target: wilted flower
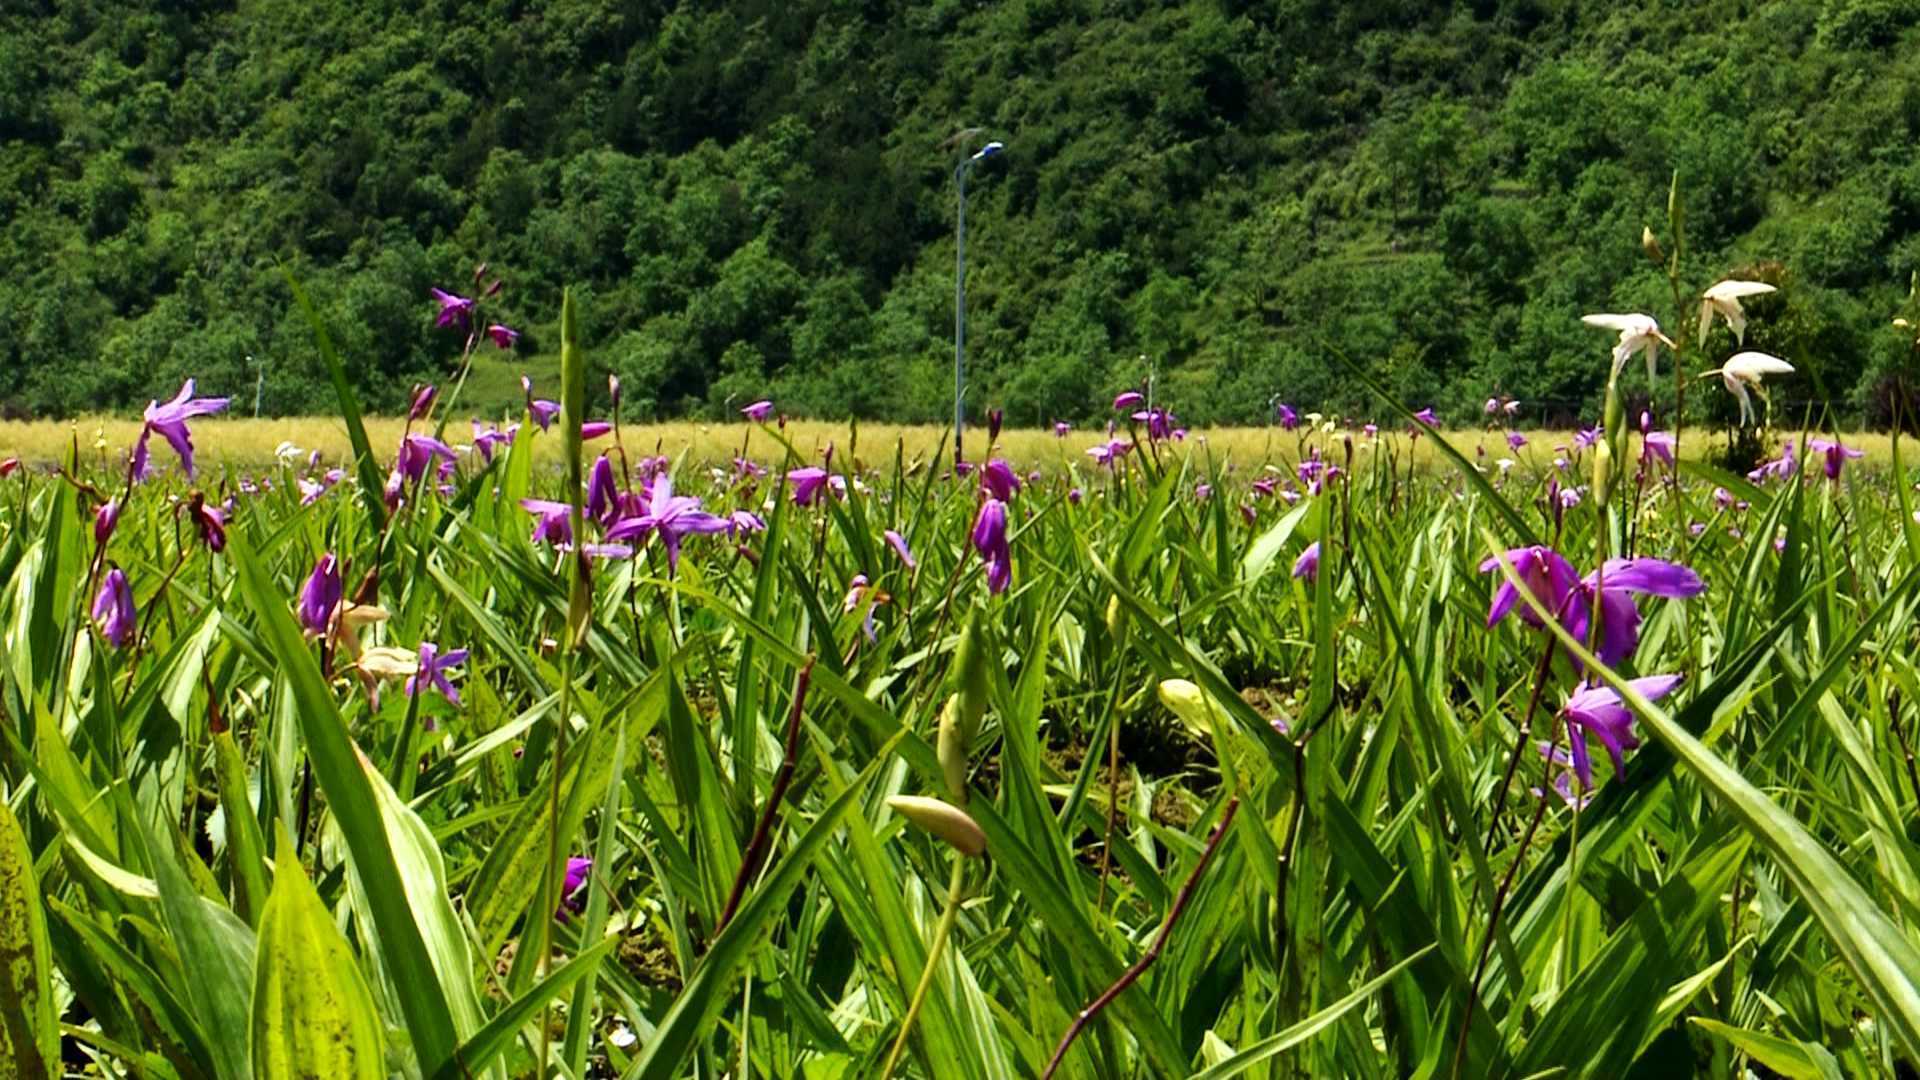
[
  {"x": 170, "y": 420},
  {"x": 1638, "y": 333},
  {"x": 453, "y": 309},
  {"x": 433, "y": 667},
  {"x": 320, "y": 595},
  {"x": 758, "y": 411},
  {"x": 990, "y": 540},
  {"x": 113, "y": 608},
  {"x": 1746, "y": 369},
  {"x": 1723, "y": 299},
  {"x": 211, "y": 522},
  {"x": 503, "y": 336},
  {"x": 1597, "y": 711}
]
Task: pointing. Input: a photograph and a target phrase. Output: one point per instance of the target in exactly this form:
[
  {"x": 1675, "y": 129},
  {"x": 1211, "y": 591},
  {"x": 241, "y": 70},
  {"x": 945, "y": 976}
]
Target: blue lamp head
[{"x": 989, "y": 150}]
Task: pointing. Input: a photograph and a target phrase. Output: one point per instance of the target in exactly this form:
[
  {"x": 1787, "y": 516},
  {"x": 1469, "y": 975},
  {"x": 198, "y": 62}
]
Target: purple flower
[
  {"x": 1586, "y": 437},
  {"x": 603, "y": 496},
  {"x": 1515, "y": 440},
  {"x": 990, "y": 540},
  {"x": 1074, "y": 495},
  {"x": 1619, "y": 618},
  {"x": 1265, "y": 485},
  {"x": 899, "y": 545},
  {"x": 503, "y": 336},
  {"x": 311, "y": 490},
  {"x": 758, "y": 411},
  {"x": 1159, "y": 423},
  {"x": 1722, "y": 498},
  {"x": 453, "y": 309},
  {"x": 433, "y": 669},
  {"x": 671, "y": 516},
  {"x": 320, "y": 595},
  {"x": 542, "y": 410},
  {"x": 1549, "y": 577},
  {"x": 104, "y": 520},
  {"x": 113, "y": 608},
  {"x": 1307, "y": 566},
  {"x": 555, "y": 521},
  {"x": 1597, "y": 711},
  {"x": 1128, "y": 400},
  {"x": 170, "y": 420},
  {"x": 1657, "y": 444},
  {"x": 417, "y": 452},
  {"x": 1835, "y": 454},
  {"x": 861, "y": 592},
  {"x": 995, "y": 418},
  {"x": 485, "y": 440},
  {"x": 1110, "y": 452},
  {"x": 1493, "y": 406},
  {"x": 1562, "y": 781},
  {"x": 423, "y": 396},
  {"x": 594, "y": 429},
  {"x": 1425, "y": 416},
  {"x": 1202, "y": 491},
  {"x": 997, "y": 478},
  {"x": 572, "y": 892},
  {"x": 744, "y": 521},
  {"x": 1061, "y": 429},
  {"x": 1288, "y": 418},
  {"x": 807, "y": 484}
]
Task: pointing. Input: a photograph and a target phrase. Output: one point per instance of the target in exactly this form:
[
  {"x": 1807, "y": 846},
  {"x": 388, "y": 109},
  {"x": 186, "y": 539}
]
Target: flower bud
[
  {"x": 1191, "y": 704},
  {"x": 1651, "y": 246},
  {"x": 1116, "y": 621},
  {"x": 944, "y": 820},
  {"x": 970, "y": 668},
  {"x": 953, "y": 745},
  {"x": 1602, "y": 471}
]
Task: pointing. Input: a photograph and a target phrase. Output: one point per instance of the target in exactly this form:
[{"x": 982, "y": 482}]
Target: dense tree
[{"x": 758, "y": 196}]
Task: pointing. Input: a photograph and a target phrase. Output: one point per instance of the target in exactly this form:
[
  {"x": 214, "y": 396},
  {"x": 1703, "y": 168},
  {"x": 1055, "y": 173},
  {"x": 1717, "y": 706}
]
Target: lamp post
[{"x": 960, "y": 173}]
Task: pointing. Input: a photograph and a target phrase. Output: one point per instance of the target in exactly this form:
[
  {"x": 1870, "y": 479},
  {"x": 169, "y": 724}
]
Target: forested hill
[{"x": 757, "y": 197}]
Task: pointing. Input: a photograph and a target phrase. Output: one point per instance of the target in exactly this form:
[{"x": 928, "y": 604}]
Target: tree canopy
[{"x": 756, "y": 199}]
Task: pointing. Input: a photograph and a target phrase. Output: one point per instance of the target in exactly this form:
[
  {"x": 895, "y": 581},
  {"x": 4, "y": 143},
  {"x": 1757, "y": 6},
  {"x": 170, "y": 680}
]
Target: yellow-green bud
[
  {"x": 1191, "y": 704},
  {"x": 970, "y": 678},
  {"x": 944, "y": 820},
  {"x": 1651, "y": 246},
  {"x": 954, "y": 747},
  {"x": 1602, "y": 471},
  {"x": 1116, "y": 620}
]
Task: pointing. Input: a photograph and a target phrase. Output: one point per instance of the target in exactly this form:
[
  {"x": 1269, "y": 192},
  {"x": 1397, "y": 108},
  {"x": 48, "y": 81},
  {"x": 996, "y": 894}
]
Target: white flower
[
  {"x": 1745, "y": 369},
  {"x": 288, "y": 453},
  {"x": 1512, "y": 407},
  {"x": 1724, "y": 300},
  {"x": 1638, "y": 333}
]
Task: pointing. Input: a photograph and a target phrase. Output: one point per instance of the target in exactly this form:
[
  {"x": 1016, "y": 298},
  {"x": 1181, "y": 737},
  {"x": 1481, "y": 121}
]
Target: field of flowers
[{"x": 548, "y": 754}]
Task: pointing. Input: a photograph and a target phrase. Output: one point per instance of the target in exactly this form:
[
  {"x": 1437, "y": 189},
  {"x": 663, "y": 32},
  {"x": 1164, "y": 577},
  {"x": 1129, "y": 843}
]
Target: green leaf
[
  {"x": 1788, "y": 1057},
  {"x": 29, "y": 1034},
  {"x": 313, "y": 1014},
  {"x": 1293, "y": 1036},
  {"x": 337, "y": 766},
  {"x": 492, "y": 1040}
]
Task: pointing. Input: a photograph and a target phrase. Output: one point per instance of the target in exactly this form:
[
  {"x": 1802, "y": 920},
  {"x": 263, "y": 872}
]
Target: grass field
[{"x": 245, "y": 443}]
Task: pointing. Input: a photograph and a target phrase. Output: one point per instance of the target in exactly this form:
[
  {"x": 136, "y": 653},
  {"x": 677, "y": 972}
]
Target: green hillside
[{"x": 756, "y": 198}]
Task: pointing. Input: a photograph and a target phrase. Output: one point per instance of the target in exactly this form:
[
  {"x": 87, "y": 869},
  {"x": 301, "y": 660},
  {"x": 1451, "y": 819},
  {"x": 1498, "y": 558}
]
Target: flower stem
[{"x": 940, "y": 932}]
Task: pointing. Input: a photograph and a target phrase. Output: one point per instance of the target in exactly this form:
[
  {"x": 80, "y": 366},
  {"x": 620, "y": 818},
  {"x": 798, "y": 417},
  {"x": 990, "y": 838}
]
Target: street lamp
[{"x": 960, "y": 291}]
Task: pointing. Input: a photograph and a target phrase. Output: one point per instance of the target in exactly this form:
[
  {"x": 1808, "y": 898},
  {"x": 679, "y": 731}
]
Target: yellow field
[{"x": 244, "y": 443}]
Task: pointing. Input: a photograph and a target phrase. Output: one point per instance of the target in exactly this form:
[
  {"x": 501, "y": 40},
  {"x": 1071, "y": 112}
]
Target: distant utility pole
[
  {"x": 259, "y": 383},
  {"x": 960, "y": 291}
]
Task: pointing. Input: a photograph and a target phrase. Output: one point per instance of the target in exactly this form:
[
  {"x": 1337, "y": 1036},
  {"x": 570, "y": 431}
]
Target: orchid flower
[
  {"x": 807, "y": 484},
  {"x": 113, "y": 608},
  {"x": 998, "y": 479},
  {"x": 1746, "y": 369},
  {"x": 1638, "y": 333},
  {"x": 1597, "y": 711},
  {"x": 453, "y": 309},
  {"x": 990, "y": 540},
  {"x": 503, "y": 336},
  {"x": 432, "y": 669},
  {"x": 1835, "y": 454},
  {"x": 671, "y": 516},
  {"x": 758, "y": 411},
  {"x": 1307, "y": 566},
  {"x": 899, "y": 545},
  {"x": 170, "y": 420},
  {"x": 320, "y": 595},
  {"x": 554, "y": 524},
  {"x": 1723, "y": 299}
]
